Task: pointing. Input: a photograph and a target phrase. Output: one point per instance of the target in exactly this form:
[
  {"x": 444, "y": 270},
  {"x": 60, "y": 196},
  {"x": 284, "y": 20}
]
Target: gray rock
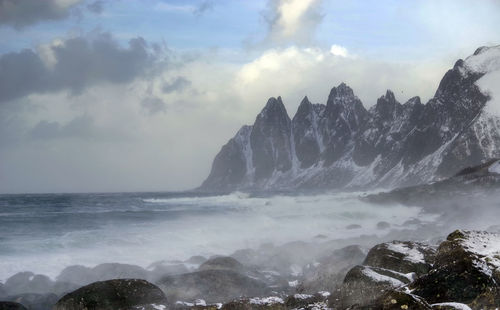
[
  {"x": 210, "y": 285},
  {"x": 402, "y": 256},
  {"x": 35, "y": 301},
  {"x": 7, "y": 305},
  {"x": 222, "y": 263},
  {"x": 121, "y": 294}
]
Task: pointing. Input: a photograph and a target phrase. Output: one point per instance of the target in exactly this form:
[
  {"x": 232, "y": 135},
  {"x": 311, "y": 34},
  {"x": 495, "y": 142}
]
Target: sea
[{"x": 44, "y": 233}]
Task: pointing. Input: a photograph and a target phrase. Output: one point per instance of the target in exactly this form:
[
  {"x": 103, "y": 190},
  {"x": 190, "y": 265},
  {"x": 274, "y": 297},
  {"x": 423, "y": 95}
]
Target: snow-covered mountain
[{"x": 343, "y": 145}]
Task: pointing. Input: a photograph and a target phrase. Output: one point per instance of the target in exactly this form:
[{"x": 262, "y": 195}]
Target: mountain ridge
[{"x": 343, "y": 145}]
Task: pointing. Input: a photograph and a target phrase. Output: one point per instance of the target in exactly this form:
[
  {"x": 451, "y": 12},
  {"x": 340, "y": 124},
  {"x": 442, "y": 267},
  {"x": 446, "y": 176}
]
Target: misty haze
[{"x": 236, "y": 155}]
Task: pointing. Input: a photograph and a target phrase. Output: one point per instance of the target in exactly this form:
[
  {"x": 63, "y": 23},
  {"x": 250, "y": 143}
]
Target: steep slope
[{"x": 343, "y": 145}]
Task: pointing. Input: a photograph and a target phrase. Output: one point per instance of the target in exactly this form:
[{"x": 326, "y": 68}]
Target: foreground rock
[
  {"x": 387, "y": 266},
  {"x": 122, "y": 294},
  {"x": 363, "y": 285},
  {"x": 466, "y": 267},
  {"x": 34, "y": 301},
  {"x": 222, "y": 263},
  {"x": 211, "y": 285},
  {"x": 404, "y": 257},
  {"x": 7, "y": 305}
]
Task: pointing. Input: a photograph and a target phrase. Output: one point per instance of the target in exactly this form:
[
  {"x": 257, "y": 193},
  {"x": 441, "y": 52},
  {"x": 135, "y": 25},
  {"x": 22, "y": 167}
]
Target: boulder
[
  {"x": 35, "y": 301},
  {"x": 466, "y": 266},
  {"x": 118, "y": 294},
  {"x": 489, "y": 299},
  {"x": 363, "y": 285},
  {"x": 211, "y": 285},
  {"x": 7, "y": 305},
  {"x": 222, "y": 263},
  {"x": 28, "y": 282},
  {"x": 399, "y": 300},
  {"x": 405, "y": 257}
]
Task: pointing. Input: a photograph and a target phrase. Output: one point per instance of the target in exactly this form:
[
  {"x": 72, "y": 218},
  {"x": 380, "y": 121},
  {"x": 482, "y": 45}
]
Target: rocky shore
[{"x": 460, "y": 272}]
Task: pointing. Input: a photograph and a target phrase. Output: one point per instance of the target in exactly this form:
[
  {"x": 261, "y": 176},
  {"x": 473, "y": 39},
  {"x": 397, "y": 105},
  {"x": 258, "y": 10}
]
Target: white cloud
[
  {"x": 293, "y": 20},
  {"x": 338, "y": 50}
]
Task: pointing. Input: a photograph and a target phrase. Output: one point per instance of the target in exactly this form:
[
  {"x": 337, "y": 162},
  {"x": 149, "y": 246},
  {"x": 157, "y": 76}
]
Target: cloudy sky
[{"x": 139, "y": 95}]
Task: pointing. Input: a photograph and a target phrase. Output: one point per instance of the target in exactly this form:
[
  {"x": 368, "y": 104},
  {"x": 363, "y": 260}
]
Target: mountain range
[{"x": 343, "y": 145}]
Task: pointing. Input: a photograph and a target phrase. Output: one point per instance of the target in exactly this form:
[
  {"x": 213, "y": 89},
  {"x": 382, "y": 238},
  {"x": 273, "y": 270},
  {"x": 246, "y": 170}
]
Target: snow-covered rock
[
  {"x": 402, "y": 256},
  {"x": 467, "y": 265}
]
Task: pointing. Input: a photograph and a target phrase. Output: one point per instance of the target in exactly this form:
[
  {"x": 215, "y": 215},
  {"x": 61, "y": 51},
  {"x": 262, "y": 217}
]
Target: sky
[{"x": 140, "y": 95}]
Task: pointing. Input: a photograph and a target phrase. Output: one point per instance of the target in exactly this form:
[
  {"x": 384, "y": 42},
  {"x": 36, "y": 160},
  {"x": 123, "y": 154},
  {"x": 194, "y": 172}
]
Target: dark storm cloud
[
  {"x": 79, "y": 62},
  {"x": 96, "y": 7},
  {"x": 179, "y": 84},
  {"x": 22, "y": 13}
]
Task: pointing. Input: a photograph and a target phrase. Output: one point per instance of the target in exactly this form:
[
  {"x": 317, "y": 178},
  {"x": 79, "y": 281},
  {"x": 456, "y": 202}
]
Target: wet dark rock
[
  {"x": 399, "y": 300},
  {"x": 363, "y": 285},
  {"x": 120, "y": 294},
  {"x": 211, "y": 285},
  {"x": 464, "y": 268},
  {"x": 35, "y": 301},
  {"x": 7, "y": 305},
  {"x": 404, "y": 257},
  {"x": 489, "y": 299},
  {"x": 222, "y": 263}
]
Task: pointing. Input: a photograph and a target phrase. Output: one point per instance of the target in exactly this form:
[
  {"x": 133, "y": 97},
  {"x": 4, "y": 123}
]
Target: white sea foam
[{"x": 238, "y": 222}]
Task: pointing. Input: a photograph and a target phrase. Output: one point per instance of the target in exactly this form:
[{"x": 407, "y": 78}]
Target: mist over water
[{"x": 46, "y": 233}]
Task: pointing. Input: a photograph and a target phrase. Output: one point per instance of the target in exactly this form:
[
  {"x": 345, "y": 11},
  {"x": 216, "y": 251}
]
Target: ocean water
[{"x": 46, "y": 233}]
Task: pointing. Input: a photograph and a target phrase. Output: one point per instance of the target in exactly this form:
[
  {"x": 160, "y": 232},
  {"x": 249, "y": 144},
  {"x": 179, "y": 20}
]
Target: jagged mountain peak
[
  {"x": 341, "y": 91},
  {"x": 305, "y": 102},
  {"x": 389, "y": 95},
  {"x": 274, "y": 108},
  {"x": 341, "y": 145},
  {"x": 413, "y": 101},
  {"x": 387, "y": 107},
  {"x": 304, "y": 109},
  {"x": 344, "y": 103}
]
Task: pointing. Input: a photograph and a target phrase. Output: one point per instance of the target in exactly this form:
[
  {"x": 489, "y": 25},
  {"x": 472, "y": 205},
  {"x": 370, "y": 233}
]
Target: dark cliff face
[
  {"x": 270, "y": 140},
  {"x": 341, "y": 144},
  {"x": 342, "y": 121},
  {"x": 305, "y": 133}
]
